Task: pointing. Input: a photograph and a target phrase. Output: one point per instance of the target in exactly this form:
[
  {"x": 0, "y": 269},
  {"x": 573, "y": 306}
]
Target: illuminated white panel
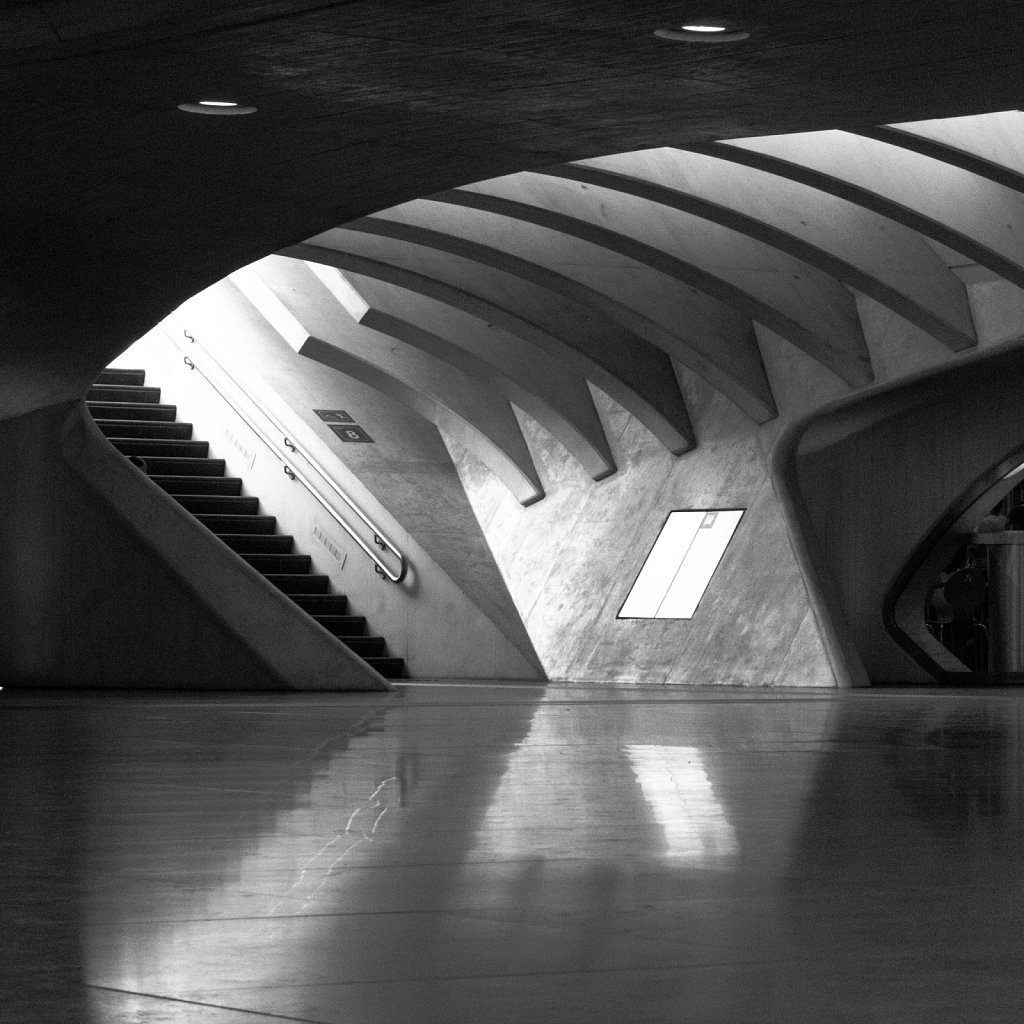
[
  {"x": 678, "y": 790},
  {"x": 681, "y": 564}
]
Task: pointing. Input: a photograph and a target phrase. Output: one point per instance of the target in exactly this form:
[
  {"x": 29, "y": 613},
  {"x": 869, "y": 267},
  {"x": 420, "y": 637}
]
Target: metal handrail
[{"x": 380, "y": 567}]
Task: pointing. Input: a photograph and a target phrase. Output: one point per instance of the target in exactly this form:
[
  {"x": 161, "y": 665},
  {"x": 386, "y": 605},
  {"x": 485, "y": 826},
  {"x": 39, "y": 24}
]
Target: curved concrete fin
[
  {"x": 582, "y": 323},
  {"x": 835, "y": 340},
  {"x": 708, "y": 336},
  {"x": 442, "y": 322},
  {"x": 884, "y": 261},
  {"x": 491, "y": 433},
  {"x": 905, "y": 137},
  {"x": 869, "y": 199},
  {"x": 997, "y": 140},
  {"x": 975, "y": 208}
]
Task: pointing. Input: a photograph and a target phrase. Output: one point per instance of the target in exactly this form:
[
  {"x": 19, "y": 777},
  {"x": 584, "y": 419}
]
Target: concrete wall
[
  {"x": 103, "y": 583},
  {"x": 869, "y": 480},
  {"x": 571, "y": 559},
  {"x": 448, "y": 618}
]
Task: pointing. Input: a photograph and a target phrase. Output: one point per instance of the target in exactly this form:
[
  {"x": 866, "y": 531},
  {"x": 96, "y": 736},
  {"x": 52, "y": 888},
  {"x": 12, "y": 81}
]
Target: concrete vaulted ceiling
[
  {"x": 625, "y": 271},
  {"x": 451, "y": 160}
]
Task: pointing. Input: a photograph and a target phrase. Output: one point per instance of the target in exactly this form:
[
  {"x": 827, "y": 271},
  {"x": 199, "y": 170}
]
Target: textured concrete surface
[
  {"x": 404, "y": 480},
  {"x": 106, "y": 584},
  {"x": 570, "y": 560}
]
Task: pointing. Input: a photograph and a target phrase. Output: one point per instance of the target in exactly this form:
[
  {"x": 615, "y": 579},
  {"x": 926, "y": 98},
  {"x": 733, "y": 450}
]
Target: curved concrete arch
[
  {"x": 619, "y": 359},
  {"x": 559, "y": 340},
  {"x": 901, "y": 273},
  {"x": 706, "y": 336},
  {"x": 974, "y": 207},
  {"x": 831, "y": 184},
  {"x": 558, "y": 399},
  {"x": 945, "y": 152},
  {"x": 492, "y": 434},
  {"x": 841, "y": 350},
  {"x": 995, "y": 139}
]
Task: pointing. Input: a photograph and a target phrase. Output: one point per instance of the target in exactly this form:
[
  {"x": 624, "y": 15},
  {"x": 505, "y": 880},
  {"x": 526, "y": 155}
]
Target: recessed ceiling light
[
  {"x": 702, "y": 34},
  {"x": 215, "y": 107}
]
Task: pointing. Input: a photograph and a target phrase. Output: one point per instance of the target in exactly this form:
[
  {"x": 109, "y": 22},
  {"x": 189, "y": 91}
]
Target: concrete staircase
[{"x": 147, "y": 432}]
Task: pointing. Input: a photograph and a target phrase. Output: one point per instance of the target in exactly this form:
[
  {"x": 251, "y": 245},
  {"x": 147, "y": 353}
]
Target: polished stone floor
[{"x": 464, "y": 853}]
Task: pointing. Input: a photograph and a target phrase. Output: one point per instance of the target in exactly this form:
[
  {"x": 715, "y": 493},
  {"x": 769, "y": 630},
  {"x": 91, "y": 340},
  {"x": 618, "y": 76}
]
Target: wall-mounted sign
[
  {"x": 334, "y": 416},
  {"x": 352, "y": 433}
]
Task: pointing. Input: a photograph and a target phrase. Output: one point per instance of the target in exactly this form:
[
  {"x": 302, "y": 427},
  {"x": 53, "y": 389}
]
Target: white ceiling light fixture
[
  {"x": 216, "y": 107},
  {"x": 702, "y": 33}
]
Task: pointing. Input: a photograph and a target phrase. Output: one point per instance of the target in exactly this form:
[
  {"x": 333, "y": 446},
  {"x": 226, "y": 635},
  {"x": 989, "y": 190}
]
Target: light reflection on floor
[{"x": 512, "y": 854}]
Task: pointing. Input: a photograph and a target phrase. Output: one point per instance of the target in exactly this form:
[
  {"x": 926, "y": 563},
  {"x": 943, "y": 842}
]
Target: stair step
[
  {"x": 156, "y": 429},
  {"x": 259, "y": 543},
  {"x": 162, "y": 465},
  {"x": 195, "y": 485},
  {"x": 142, "y": 428},
  {"x": 274, "y": 563},
  {"x": 323, "y": 604},
  {"x": 226, "y": 523},
  {"x": 112, "y": 375},
  {"x": 343, "y": 625},
  {"x": 389, "y": 668},
  {"x": 176, "y": 449},
  {"x": 219, "y": 504},
  {"x": 365, "y": 646},
  {"x": 299, "y": 583},
  {"x": 133, "y": 411},
  {"x": 122, "y": 393}
]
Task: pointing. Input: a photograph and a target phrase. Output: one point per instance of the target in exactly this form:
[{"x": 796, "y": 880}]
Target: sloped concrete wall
[
  {"x": 452, "y": 616},
  {"x": 571, "y": 559},
  {"x": 89, "y": 599}
]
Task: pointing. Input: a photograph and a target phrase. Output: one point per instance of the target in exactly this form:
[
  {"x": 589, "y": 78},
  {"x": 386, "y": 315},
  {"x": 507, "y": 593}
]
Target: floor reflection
[{"x": 512, "y": 854}]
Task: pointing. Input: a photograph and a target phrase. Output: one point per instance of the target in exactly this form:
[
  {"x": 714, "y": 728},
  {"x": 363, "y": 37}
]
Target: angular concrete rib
[
  {"x": 890, "y": 264},
  {"x": 623, "y": 363},
  {"x": 971, "y": 209},
  {"x": 480, "y": 417},
  {"x": 929, "y": 227},
  {"x": 397, "y": 303},
  {"x": 909, "y": 139},
  {"x": 491, "y": 433},
  {"x": 705, "y": 335},
  {"x": 811, "y": 311},
  {"x": 988, "y": 144}
]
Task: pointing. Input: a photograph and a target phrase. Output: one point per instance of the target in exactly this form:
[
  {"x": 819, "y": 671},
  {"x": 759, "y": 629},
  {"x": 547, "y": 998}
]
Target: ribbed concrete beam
[
  {"x": 622, "y": 362},
  {"x": 707, "y": 336},
  {"x": 480, "y": 416},
  {"x": 491, "y": 433},
  {"x": 867, "y": 197},
  {"x": 812, "y": 311},
  {"x": 948, "y": 153},
  {"x": 995, "y": 142},
  {"x": 973, "y": 207},
  {"x": 404, "y": 306},
  {"x": 867, "y": 252},
  {"x": 526, "y": 330}
]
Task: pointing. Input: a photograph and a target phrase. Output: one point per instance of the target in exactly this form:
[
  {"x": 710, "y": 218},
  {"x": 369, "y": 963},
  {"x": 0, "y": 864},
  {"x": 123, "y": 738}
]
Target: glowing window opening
[{"x": 681, "y": 564}]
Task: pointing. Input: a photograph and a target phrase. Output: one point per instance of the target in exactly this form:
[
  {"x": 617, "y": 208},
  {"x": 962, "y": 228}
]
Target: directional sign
[
  {"x": 352, "y": 433},
  {"x": 334, "y": 416}
]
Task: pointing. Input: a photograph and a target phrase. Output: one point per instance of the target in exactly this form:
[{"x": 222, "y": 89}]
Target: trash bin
[{"x": 1005, "y": 599}]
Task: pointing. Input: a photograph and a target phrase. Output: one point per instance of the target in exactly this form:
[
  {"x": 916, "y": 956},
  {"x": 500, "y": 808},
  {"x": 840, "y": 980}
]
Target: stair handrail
[{"x": 380, "y": 567}]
